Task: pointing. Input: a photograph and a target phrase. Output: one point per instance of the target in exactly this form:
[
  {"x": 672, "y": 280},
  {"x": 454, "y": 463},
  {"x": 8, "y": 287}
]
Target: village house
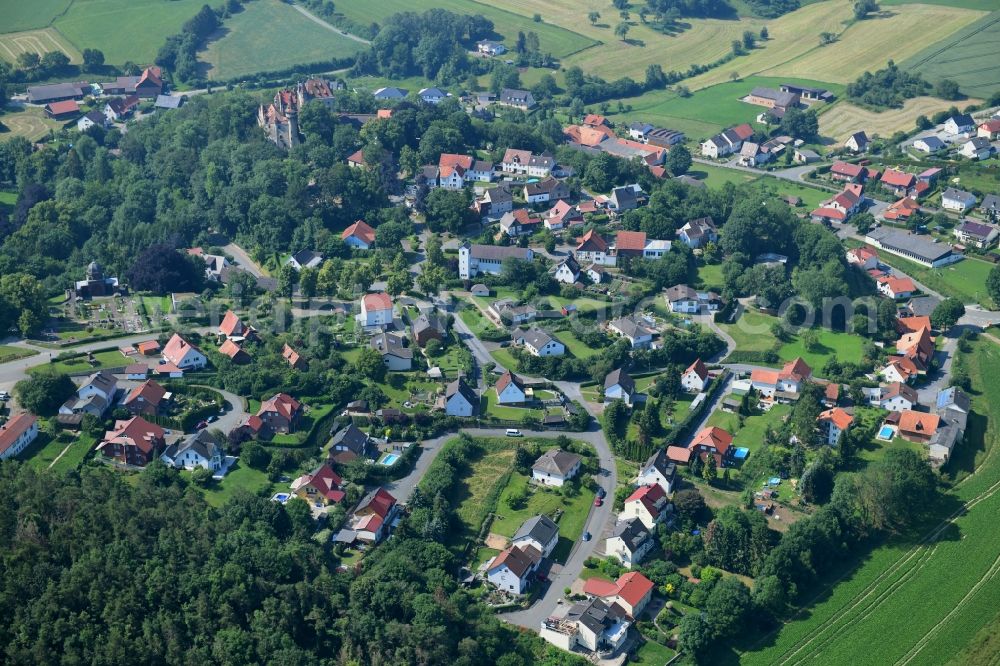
[
  {"x": 894, "y": 397},
  {"x": 476, "y": 259},
  {"x": 513, "y": 569},
  {"x": 805, "y": 156},
  {"x": 698, "y": 233},
  {"x": 957, "y": 200},
  {"x": 596, "y": 273},
  {"x": 460, "y": 399},
  {"x": 17, "y": 434},
  {"x": 376, "y": 310},
  {"x": 510, "y": 389},
  {"x": 433, "y": 95},
  {"x": 524, "y": 163},
  {"x": 281, "y": 413},
  {"x": 918, "y": 426},
  {"x": 91, "y": 119},
  {"x": 636, "y": 244},
  {"x": 961, "y": 123},
  {"x": 395, "y": 354},
  {"x": 293, "y": 358},
  {"x": 695, "y": 378},
  {"x": 639, "y": 335},
  {"x": 183, "y": 354},
  {"x": 562, "y": 215},
  {"x": 567, "y": 271},
  {"x": 305, "y": 259},
  {"x": 990, "y": 207},
  {"x": 901, "y": 210},
  {"x": 427, "y": 327},
  {"x": 727, "y": 142},
  {"x": 202, "y": 449},
  {"x": 626, "y": 198},
  {"x": 373, "y": 518},
  {"x": 833, "y": 423},
  {"x": 857, "y": 142},
  {"x": 234, "y": 351},
  {"x": 540, "y": 533},
  {"x": 899, "y": 370},
  {"x": 548, "y": 189},
  {"x": 589, "y": 136},
  {"x": 842, "y": 206},
  {"x": 119, "y": 109},
  {"x": 518, "y": 99},
  {"x": 754, "y": 154},
  {"x": 658, "y": 470},
  {"x": 593, "y": 249},
  {"x": 321, "y": 487},
  {"x": 491, "y": 48},
  {"x": 929, "y": 144},
  {"x": 519, "y": 222},
  {"x": 147, "y": 85},
  {"x": 684, "y": 299},
  {"x": 359, "y": 235},
  {"x": 631, "y": 592},
  {"x": 508, "y": 312},
  {"x": 390, "y": 93},
  {"x": 65, "y": 110},
  {"x": 147, "y": 399},
  {"x": 495, "y": 202},
  {"x": 976, "y": 234},
  {"x": 629, "y": 543},
  {"x": 619, "y": 385},
  {"x": 555, "y": 467},
  {"x": 847, "y": 172},
  {"x": 976, "y": 148},
  {"x": 896, "y": 287},
  {"x": 863, "y": 257},
  {"x": 135, "y": 442},
  {"x": 95, "y": 397},
  {"x": 785, "y": 383},
  {"x": 538, "y": 342},
  {"x": 898, "y": 182},
  {"x": 233, "y": 328},
  {"x": 349, "y": 443},
  {"x": 648, "y": 504},
  {"x": 590, "y": 626}
]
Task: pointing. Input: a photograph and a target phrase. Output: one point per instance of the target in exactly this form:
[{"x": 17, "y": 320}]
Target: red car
[
  {"x": 598, "y": 501},
  {"x": 201, "y": 425}
]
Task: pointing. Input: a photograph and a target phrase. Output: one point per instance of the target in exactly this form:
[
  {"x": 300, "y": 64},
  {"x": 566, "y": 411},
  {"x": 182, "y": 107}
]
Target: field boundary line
[
  {"x": 952, "y": 42},
  {"x": 61, "y": 454}
]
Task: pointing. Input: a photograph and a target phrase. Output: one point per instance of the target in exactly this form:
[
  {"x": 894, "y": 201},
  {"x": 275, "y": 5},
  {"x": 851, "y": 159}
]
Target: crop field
[
  {"x": 969, "y": 57},
  {"x": 21, "y": 15},
  {"x": 709, "y": 110},
  {"x": 30, "y": 123},
  {"x": 270, "y": 35},
  {"x": 124, "y": 29},
  {"x": 42, "y": 41},
  {"x": 845, "y": 118},
  {"x": 558, "y": 41},
  {"x": 982, "y": 5},
  {"x": 909, "y": 603}
]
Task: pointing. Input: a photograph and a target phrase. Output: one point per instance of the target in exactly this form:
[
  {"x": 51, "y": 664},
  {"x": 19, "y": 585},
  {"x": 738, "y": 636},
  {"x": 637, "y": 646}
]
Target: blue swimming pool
[
  {"x": 281, "y": 497},
  {"x": 390, "y": 459},
  {"x": 886, "y": 432}
]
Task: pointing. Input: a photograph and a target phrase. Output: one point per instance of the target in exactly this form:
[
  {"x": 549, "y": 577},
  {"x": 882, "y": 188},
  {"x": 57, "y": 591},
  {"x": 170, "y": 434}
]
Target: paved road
[{"x": 244, "y": 260}]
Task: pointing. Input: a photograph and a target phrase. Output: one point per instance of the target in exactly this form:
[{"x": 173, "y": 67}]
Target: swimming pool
[
  {"x": 281, "y": 498},
  {"x": 389, "y": 459},
  {"x": 886, "y": 432}
]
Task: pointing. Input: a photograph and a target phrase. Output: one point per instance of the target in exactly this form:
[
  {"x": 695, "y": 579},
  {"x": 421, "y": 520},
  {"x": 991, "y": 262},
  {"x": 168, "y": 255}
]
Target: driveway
[{"x": 243, "y": 260}]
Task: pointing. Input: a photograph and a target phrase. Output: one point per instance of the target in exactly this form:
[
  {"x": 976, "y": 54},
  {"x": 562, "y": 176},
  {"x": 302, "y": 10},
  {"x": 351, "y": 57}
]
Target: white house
[
  {"x": 619, "y": 385},
  {"x": 567, "y": 271},
  {"x": 433, "y": 95},
  {"x": 199, "y": 450},
  {"x": 512, "y": 569},
  {"x": 460, "y": 399},
  {"x": 639, "y": 335},
  {"x": 976, "y": 148},
  {"x": 491, "y": 48},
  {"x": 695, "y": 378},
  {"x": 629, "y": 543},
  {"x": 538, "y": 532},
  {"x": 524, "y": 163},
  {"x": 476, "y": 259},
  {"x": 305, "y": 259},
  {"x": 632, "y": 592},
  {"x": 929, "y": 144},
  {"x": 183, "y": 354},
  {"x": 857, "y": 142},
  {"x": 957, "y": 200},
  {"x": 595, "y": 250},
  {"x": 555, "y": 467},
  {"x": 95, "y": 397},
  {"x": 896, "y": 397},
  {"x": 959, "y": 124},
  {"x": 977, "y": 234},
  {"x": 658, "y": 470},
  {"x": 91, "y": 119},
  {"x": 376, "y": 310},
  {"x": 698, "y": 233},
  {"x": 788, "y": 381},
  {"x": 833, "y": 423},
  {"x": 592, "y": 625},
  {"x": 539, "y": 343},
  {"x": 686, "y": 300},
  {"x": 648, "y": 504},
  {"x": 396, "y": 356},
  {"x": 16, "y": 434},
  {"x": 510, "y": 389}
]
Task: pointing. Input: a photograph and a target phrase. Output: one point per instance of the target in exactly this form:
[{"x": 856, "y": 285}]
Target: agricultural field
[
  {"x": 969, "y": 57},
  {"x": 981, "y": 5},
  {"x": 20, "y": 15},
  {"x": 908, "y": 603},
  {"x": 125, "y": 29},
  {"x": 270, "y": 35},
  {"x": 558, "y": 41},
  {"x": 845, "y": 118},
  {"x": 12, "y": 44},
  {"x": 31, "y": 123},
  {"x": 710, "y": 110}
]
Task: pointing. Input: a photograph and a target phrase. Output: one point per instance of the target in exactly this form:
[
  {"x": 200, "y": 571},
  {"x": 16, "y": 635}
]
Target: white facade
[
  {"x": 22, "y": 441},
  {"x": 551, "y": 348},
  {"x": 504, "y": 579},
  {"x": 692, "y": 382},
  {"x": 511, "y": 395},
  {"x": 615, "y": 547},
  {"x": 565, "y": 274},
  {"x": 457, "y": 405},
  {"x": 554, "y": 478},
  {"x": 616, "y": 392}
]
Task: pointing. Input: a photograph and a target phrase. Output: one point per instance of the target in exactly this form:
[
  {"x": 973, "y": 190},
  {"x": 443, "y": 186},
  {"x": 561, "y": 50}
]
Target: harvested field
[
  {"x": 844, "y": 118},
  {"x": 42, "y": 41}
]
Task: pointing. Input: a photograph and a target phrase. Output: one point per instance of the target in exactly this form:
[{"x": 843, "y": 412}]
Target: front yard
[
  {"x": 102, "y": 359},
  {"x": 238, "y": 478}
]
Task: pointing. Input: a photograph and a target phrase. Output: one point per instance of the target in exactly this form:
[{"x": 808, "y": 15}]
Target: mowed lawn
[
  {"x": 238, "y": 478},
  {"x": 965, "y": 280},
  {"x": 908, "y": 601},
  {"x": 36, "y": 41},
  {"x": 751, "y": 435},
  {"x": 31, "y": 123},
  {"x": 125, "y": 29},
  {"x": 270, "y": 35},
  {"x": 20, "y": 15},
  {"x": 9, "y": 353},
  {"x": 558, "y": 41},
  {"x": 752, "y": 331},
  {"x": 846, "y": 347}
]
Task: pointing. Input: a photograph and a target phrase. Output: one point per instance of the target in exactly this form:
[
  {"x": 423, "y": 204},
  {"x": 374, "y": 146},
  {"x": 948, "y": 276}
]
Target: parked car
[
  {"x": 513, "y": 432},
  {"x": 601, "y": 492},
  {"x": 212, "y": 419},
  {"x": 598, "y": 501},
  {"x": 587, "y": 536},
  {"x": 201, "y": 425}
]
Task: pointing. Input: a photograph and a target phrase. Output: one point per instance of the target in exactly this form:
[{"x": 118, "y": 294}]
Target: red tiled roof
[
  {"x": 357, "y": 157},
  {"x": 14, "y": 428},
  {"x": 912, "y": 324},
  {"x": 797, "y": 369},
  {"x": 633, "y": 587},
  {"x": 896, "y": 178},
  {"x": 381, "y": 503},
  {"x": 678, "y": 454},
  {"x": 230, "y": 349},
  {"x": 231, "y": 325},
  {"x": 600, "y": 588},
  {"x": 713, "y": 436},
  {"x": 452, "y": 160},
  {"x": 325, "y": 480},
  {"x": 281, "y": 403},
  {"x": 66, "y": 106},
  {"x": 838, "y": 417},
  {"x": 378, "y": 301},
  {"x": 699, "y": 369},
  {"x": 148, "y": 346},
  {"x": 149, "y": 390},
  {"x": 764, "y": 376},
  {"x": 743, "y": 131},
  {"x": 898, "y": 285},
  {"x": 592, "y": 242},
  {"x": 290, "y": 355},
  {"x": 918, "y": 422},
  {"x": 594, "y": 120},
  {"x": 904, "y": 208},
  {"x": 176, "y": 348},
  {"x": 137, "y": 432},
  {"x": 649, "y": 496},
  {"x": 847, "y": 169},
  {"x": 991, "y": 125},
  {"x": 506, "y": 379},
  {"x": 361, "y": 231},
  {"x": 831, "y": 213},
  {"x": 630, "y": 240}
]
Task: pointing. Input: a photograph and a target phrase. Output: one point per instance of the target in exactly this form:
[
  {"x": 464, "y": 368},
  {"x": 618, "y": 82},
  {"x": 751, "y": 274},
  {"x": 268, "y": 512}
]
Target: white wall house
[
  {"x": 555, "y": 467},
  {"x": 376, "y": 310}
]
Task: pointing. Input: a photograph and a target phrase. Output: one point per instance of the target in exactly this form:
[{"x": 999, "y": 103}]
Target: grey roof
[
  {"x": 632, "y": 532},
  {"x": 780, "y": 97},
  {"x": 859, "y": 137},
  {"x": 595, "y": 614},
  {"x": 631, "y": 328},
  {"x": 500, "y": 252},
  {"x": 990, "y": 202},
  {"x": 424, "y": 322},
  {"x": 537, "y": 338},
  {"x": 390, "y": 345},
  {"x": 979, "y": 142},
  {"x": 169, "y": 101},
  {"x": 546, "y": 186},
  {"x": 499, "y": 194},
  {"x": 621, "y": 378},
  {"x": 954, "y": 396},
  {"x": 924, "y": 306},
  {"x": 351, "y": 438},
  {"x": 540, "y": 528},
  {"x": 963, "y": 120},
  {"x": 517, "y": 97},
  {"x": 624, "y": 197},
  {"x": 640, "y": 127},
  {"x": 204, "y": 443},
  {"x": 932, "y": 142},
  {"x": 433, "y": 92},
  {"x": 556, "y": 461},
  {"x": 95, "y": 117},
  {"x": 303, "y": 257},
  {"x": 54, "y": 91},
  {"x": 460, "y": 386},
  {"x": 103, "y": 380},
  {"x": 662, "y": 463},
  {"x": 666, "y": 135},
  {"x": 917, "y": 245},
  {"x": 977, "y": 229},
  {"x": 957, "y": 195},
  {"x": 390, "y": 93}
]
